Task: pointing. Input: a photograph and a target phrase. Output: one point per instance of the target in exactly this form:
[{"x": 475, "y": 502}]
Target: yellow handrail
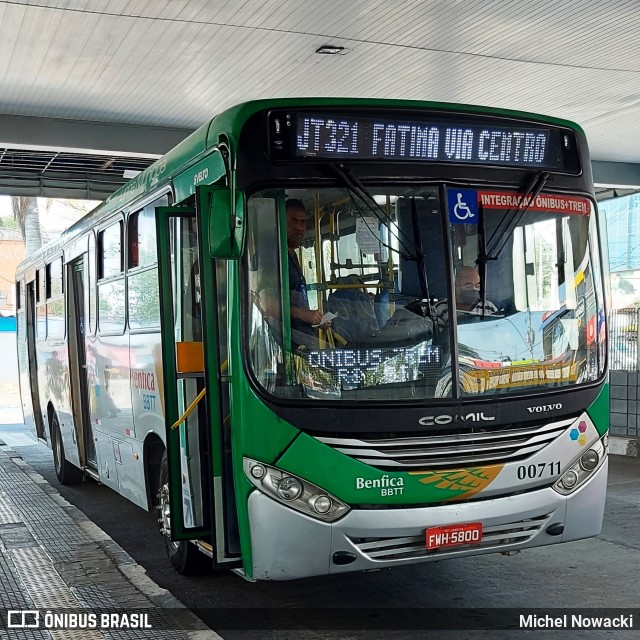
[
  {"x": 223, "y": 367},
  {"x": 191, "y": 407}
]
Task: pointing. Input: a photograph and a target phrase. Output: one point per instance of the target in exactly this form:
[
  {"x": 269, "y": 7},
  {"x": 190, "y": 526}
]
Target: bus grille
[
  {"x": 430, "y": 452},
  {"x": 410, "y": 547}
]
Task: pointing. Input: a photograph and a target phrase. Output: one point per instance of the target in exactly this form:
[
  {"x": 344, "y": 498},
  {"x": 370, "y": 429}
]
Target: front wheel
[
  {"x": 183, "y": 555},
  {"x": 67, "y": 473}
]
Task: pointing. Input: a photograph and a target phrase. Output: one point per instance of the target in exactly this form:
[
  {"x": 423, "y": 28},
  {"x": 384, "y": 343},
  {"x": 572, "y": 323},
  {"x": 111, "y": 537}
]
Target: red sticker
[{"x": 542, "y": 202}]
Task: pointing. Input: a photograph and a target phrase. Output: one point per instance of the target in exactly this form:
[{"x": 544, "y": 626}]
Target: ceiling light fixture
[{"x": 330, "y": 50}]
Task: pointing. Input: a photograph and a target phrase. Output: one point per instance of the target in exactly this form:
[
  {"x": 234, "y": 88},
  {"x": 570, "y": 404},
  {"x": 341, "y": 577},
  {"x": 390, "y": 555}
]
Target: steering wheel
[{"x": 420, "y": 306}]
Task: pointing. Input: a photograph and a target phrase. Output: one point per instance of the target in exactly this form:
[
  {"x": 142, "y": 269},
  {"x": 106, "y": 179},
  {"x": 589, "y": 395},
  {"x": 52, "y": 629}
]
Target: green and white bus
[{"x": 157, "y": 353}]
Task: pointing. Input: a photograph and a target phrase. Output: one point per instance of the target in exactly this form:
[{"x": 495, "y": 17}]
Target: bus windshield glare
[{"x": 519, "y": 309}]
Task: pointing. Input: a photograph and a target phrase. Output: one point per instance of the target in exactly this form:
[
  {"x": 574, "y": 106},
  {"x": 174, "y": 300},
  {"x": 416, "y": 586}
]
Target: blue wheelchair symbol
[{"x": 463, "y": 206}]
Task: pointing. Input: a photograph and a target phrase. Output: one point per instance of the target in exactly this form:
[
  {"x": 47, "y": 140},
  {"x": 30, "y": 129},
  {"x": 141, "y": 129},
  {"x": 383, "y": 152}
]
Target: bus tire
[
  {"x": 183, "y": 555},
  {"x": 66, "y": 472}
]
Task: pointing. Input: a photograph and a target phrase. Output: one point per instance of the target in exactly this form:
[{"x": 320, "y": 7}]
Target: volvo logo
[
  {"x": 543, "y": 408},
  {"x": 478, "y": 416}
]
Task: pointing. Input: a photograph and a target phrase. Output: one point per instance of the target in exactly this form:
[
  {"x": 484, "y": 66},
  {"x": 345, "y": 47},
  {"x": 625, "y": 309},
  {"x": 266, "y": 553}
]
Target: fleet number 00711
[{"x": 540, "y": 470}]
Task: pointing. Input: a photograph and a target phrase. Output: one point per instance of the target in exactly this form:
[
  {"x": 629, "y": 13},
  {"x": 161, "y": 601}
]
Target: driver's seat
[{"x": 356, "y": 319}]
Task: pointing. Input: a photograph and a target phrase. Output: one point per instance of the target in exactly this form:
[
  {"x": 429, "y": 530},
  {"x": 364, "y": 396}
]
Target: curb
[
  {"x": 624, "y": 446},
  {"x": 135, "y": 574}
]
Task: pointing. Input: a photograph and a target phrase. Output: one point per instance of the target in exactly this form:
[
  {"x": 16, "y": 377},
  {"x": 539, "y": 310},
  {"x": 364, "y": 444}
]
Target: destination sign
[{"x": 479, "y": 140}]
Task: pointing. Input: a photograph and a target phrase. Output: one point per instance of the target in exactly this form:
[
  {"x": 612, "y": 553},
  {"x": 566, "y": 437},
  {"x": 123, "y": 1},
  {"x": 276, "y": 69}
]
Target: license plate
[{"x": 454, "y": 535}]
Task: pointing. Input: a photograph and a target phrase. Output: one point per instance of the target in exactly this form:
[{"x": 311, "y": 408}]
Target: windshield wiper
[
  {"x": 508, "y": 224},
  {"x": 355, "y": 187},
  {"x": 422, "y": 269},
  {"x": 491, "y": 249}
]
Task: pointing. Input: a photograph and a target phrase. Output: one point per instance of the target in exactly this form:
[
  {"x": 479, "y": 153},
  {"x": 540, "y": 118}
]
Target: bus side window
[
  {"x": 41, "y": 306},
  {"x": 111, "y": 293},
  {"x": 20, "y": 311},
  {"x": 142, "y": 235},
  {"x": 132, "y": 235},
  {"x": 110, "y": 258},
  {"x": 55, "y": 301},
  {"x": 142, "y": 275},
  {"x": 91, "y": 257}
]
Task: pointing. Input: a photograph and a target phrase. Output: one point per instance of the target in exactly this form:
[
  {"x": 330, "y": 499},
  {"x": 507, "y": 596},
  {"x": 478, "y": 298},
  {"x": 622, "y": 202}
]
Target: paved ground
[
  {"x": 590, "y": 575},
  {"x": 54, "y": 559}
]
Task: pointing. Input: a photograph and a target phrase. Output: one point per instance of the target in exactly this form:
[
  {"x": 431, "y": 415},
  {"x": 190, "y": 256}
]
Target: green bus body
[{"x": 409, "y": 466}]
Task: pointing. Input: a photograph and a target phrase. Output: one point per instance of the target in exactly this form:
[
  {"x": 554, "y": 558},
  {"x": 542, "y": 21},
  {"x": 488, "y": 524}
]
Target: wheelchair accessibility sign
[{"x": 463, "y": 206}]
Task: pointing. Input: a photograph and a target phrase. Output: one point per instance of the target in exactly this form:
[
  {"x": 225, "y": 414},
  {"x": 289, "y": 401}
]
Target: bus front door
[
  {"x": 31, "y": 322},
  {"x": 191, "y": 389},
  {"x": 78, "y": 362}
]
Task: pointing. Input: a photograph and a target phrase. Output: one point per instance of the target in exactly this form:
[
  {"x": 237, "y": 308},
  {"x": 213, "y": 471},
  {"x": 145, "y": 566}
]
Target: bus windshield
[{"x": 374, "y": 293}]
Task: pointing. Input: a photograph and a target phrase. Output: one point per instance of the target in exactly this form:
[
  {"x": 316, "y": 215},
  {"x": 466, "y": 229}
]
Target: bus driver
[
  {"x": 302, "y": 317},
  {"x": 468, "y": 302}
]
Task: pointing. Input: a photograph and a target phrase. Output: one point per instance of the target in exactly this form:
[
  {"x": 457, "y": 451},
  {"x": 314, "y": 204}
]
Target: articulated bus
[{"x": 419, "y": 420}]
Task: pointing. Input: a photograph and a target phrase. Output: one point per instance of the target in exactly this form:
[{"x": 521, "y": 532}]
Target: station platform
[{"x": 63, "y": 577}]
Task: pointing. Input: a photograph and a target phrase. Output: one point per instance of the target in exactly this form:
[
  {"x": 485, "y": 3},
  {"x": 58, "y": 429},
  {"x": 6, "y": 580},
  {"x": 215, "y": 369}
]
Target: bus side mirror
[{"x": 225, "y": 211}]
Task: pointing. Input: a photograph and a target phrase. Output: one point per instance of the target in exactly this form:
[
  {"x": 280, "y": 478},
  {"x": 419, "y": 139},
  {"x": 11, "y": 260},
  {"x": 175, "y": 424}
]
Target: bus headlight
[
  {"x": 294, "y": 492},
  {"x": 589, "y": 461},
  {"x": 289, "y": 488},
  {"x": 322, "y": 504},
  {"x": 578, "y": 473}
]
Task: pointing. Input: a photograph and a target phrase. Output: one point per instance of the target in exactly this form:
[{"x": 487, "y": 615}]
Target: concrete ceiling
[{"x": 148, "y": 72}]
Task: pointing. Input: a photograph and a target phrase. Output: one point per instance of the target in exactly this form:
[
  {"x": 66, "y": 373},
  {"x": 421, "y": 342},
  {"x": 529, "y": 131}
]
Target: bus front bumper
[{"x": 287, "y": 544}]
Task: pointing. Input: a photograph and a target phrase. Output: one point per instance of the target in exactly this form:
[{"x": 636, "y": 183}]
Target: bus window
[
  {"x": 111, "y": 306},
  {"x": 111, "y": 292},
  {"x": 91, "y": 258},
  {"x": 348, "y": 273},
  {"x": 40, "y": 297},
  {"x": 142, "y": 237},
  {"x": 143, "y": 297},
  {"x": 54, "y": 279},
  {"x": 41, "y": 309},
  {"x": 55, "y": 301},
  {"x": 264, "y": 290},
  {"x": 20, "y": 314},
  {"x": 110, "y": 259}
]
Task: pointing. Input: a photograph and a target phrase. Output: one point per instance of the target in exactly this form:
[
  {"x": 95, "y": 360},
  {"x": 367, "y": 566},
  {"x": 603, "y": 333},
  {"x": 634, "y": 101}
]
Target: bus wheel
[
  {"x": 183, "y": 555},
  {"x": 67, "y": 473}
]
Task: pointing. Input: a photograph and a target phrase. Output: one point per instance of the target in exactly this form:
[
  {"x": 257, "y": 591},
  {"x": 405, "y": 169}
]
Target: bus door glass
[
  {"x": 187, "y": 437},
  {"x": 192, "y": 369},
  {"x": 32, "y": 356},
  {"x": 78, "y": 360}
]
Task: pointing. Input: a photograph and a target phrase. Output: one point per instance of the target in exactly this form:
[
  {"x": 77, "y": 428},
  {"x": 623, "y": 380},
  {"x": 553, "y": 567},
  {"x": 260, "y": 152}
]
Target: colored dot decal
[
  {"x": 574, "y": 434},
  {"x": 582, "y": 440},
  {"x": 582, "y": 426}
]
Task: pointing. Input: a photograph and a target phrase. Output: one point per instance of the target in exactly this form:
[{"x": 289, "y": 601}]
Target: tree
[
  {"x": 57, "y": 214},
  {"x": 25, "y": 211}
]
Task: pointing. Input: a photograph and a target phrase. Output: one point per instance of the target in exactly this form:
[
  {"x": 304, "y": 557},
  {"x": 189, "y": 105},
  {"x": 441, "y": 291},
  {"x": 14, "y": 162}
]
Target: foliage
[{"x": 9, "y": 223}]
